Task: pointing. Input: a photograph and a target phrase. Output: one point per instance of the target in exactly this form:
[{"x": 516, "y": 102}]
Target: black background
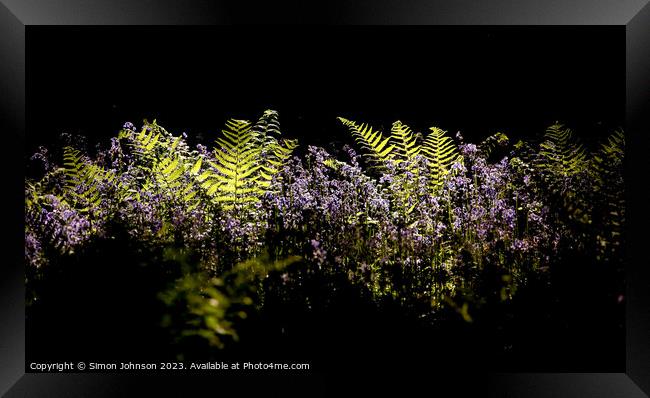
[{"x": 479, "y": 80}]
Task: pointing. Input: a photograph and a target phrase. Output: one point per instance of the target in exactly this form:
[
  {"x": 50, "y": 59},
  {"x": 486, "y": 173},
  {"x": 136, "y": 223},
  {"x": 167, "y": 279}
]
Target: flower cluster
[
  {"x": 64, "y": 227},
  {"x": 391, "y": 229},
  {"x": 400, "y": 235}
]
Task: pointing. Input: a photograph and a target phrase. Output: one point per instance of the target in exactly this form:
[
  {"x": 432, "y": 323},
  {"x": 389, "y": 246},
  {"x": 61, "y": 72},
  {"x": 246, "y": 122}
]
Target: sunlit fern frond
[
  {"x": 378, "y": 149},
  {"x": 268, "y": 124},
  {"x": 171, "y": 176},
  {"x": 82, "y": 179},
  {"x": 164, "y": 161},
  {"x": 168, "y": 172},
  {"x": 560, "y": 153},
  {"x": 332, "y": 163},
  {"x": 405, "y": 142},
  {"x": 441, "y": 152},
  {"x": 284, "y": 148},
  {"x": 144, "y": 142},
  {"x": 265, "y": 130},
  {"x": 152, "y": 142},
  {"x": 277, "y": 153},
  {"x": 274, "y": 151},
  {"x": 234, "y": 177}
]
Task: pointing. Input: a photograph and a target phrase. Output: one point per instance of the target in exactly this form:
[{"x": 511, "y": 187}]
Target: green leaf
[{"x": 197, "y": 167}]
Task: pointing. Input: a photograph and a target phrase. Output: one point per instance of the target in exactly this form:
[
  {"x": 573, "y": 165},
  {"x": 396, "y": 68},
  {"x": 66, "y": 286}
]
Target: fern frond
[
  {"x": 441, "y": 152},
  {"x": 560, "y": 153},
  {"x": 273, "y": 151},
  {"x": 267, "y": 125},
  {"x": 613, "y": 150},
  {"x": 332, "y": 163},
  {"x": 377, "y": 147},
  {"x": 82, "y": 179},
  {"x": 607, "y": 184},
  {"x": 490, "y": 144},
  {"x": 405, "y": 141},
  {"x": 234, "y": 177},
  {"x": 277, "y": 153},
  {"x": 168, "y": 171},
  {"x": 562, "y": 161},
  {"x": 166, "y": 164}
]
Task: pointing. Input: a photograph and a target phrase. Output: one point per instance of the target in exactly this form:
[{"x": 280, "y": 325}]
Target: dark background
[{"x": 479, "y": 80}]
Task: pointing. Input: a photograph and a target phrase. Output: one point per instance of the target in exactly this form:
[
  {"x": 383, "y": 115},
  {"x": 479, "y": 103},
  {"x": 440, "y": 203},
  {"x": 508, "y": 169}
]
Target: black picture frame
[{"x": 17, "y": 15}]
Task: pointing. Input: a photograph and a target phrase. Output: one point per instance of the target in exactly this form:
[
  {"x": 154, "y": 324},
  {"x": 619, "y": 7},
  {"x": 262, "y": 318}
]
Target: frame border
[{"x": 16, "y": 15}]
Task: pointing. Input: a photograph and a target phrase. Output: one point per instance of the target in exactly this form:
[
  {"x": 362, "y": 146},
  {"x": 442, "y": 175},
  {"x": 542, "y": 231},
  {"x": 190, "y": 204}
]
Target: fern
[
  {"x": 560, "y": 154},
  {"x": 524, "y": 150},
  {"x": 152, "y": 144},
  {"x": 607, "y": 184},
  {"x": 245, "y": 162},
  {"x": 402, "y": 147},
  {"x": 145, "y": 143},
  {"x": 171, "y": 177},
  {"x": 441, "y": 152},
  {"x": 492, "y": 143},
  {"x": 268, "y": 125},
  {"x": 82, "y": 180},
  {"x": 273, "y": 151},
  {"x": 273, "y": 158},
  {"x": 332, "y": 163},
  {"x": 230, "y": 179},
  {"x": 611, "y": 152},
  {"x": 378, "y": 149},
  {"x": 216, "y": 304},
  {"x": 562, "y": 161},
  {"x": 166, "y": 164},
  {"x": 405, "y": 142}
]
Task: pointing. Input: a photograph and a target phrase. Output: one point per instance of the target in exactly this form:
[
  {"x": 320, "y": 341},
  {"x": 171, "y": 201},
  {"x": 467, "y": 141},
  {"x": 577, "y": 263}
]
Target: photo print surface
[{"x": 343, "y": 197}]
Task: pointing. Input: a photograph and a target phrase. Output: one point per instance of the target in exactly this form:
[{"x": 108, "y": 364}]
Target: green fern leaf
[
  {"x": 490, "y": 144},
  {"x": 441, "y": 153},
  {"x": 197, "y": 167},
  {"x": 378, "y": 149},
  {"x": 560, "y": 153},
  {"x": 405, "y": 142},
  {"x": 246, "y": 159}
]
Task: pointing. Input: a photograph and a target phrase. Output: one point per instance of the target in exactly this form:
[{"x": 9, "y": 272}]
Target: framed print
[{"x": 433, "y": 195}]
